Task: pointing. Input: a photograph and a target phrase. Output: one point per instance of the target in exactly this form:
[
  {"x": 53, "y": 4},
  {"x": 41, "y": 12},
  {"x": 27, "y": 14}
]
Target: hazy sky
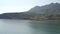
[{"x": 21, "y": 5}]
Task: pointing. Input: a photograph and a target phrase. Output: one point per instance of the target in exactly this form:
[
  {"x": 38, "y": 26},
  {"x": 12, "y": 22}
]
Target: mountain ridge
[{"x": 38, "y": 12}]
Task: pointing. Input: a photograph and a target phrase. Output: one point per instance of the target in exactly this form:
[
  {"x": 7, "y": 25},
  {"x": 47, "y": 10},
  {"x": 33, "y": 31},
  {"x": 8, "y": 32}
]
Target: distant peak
[
  {"x": 52, "y": 3},
  {"x": 37, "y": 7},
  {"x": 55, "y": 4}
]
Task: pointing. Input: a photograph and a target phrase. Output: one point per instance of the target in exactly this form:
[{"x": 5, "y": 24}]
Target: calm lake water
[{"x": 29, "y": 27}]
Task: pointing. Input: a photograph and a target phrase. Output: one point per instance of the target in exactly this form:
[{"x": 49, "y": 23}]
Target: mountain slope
[{"x": 47, "y": 9}]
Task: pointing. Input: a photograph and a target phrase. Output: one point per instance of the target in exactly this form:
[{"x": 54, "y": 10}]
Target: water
[{"x": 29, "y": 27}]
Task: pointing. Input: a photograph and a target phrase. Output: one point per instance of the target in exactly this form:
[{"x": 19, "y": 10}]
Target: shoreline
[{"x": 35, "y": 20}]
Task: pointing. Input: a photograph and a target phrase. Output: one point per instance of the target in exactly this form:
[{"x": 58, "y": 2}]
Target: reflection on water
[
  {"x": 46, "y": 27},
  {"x": 29, "y": 27}
]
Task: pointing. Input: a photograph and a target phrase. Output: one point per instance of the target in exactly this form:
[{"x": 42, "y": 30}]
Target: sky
[{"x": 7, "y": 6}]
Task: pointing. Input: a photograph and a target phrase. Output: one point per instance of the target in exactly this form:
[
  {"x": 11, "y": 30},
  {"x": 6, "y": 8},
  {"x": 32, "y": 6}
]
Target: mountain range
[{"x": 50, "y": 11}]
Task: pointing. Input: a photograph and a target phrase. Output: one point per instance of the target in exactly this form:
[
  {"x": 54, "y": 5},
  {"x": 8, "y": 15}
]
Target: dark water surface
[{"x": 29, "y": 27}]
